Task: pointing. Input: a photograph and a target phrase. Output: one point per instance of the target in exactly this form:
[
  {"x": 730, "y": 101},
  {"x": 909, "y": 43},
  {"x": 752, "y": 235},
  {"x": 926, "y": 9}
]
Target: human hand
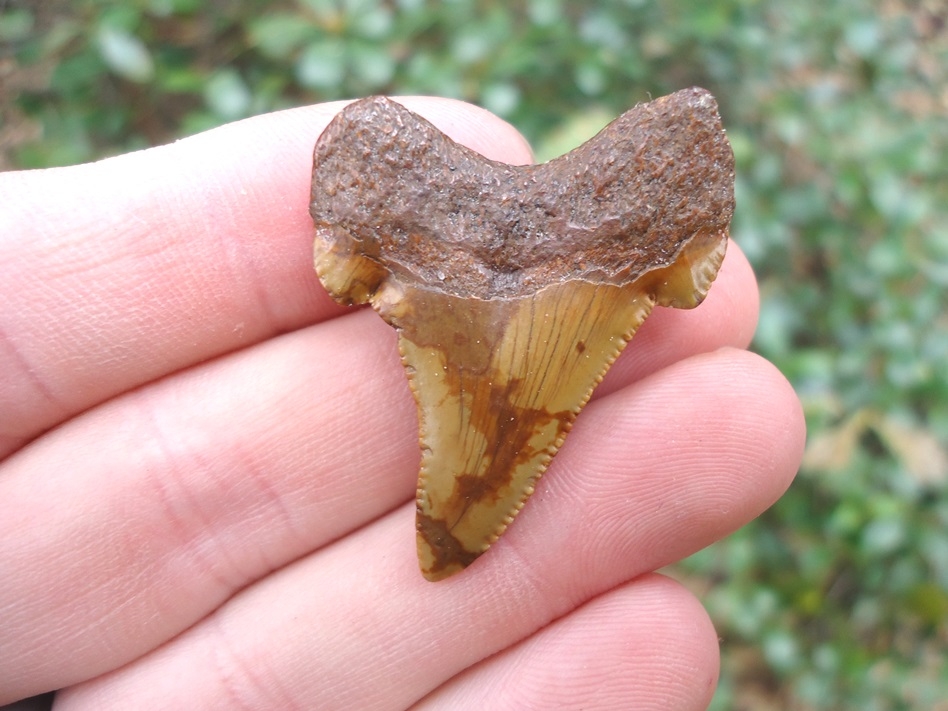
[{"x": 206, "y": 496}]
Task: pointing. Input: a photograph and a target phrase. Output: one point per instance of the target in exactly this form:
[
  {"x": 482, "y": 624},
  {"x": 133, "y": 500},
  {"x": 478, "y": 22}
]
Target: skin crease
[{"x": 206, "y": 495}]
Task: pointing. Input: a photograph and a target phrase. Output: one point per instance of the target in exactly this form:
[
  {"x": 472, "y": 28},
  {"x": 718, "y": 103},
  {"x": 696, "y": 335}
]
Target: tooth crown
[{"x": 513, "y": 289}]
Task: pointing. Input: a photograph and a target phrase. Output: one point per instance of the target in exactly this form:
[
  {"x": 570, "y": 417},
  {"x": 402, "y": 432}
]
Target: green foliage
[{"x": 838, "y": 596}]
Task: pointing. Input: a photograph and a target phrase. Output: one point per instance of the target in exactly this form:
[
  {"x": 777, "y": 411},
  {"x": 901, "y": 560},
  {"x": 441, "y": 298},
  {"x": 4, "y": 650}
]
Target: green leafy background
[{"x": 837, "y": 597}]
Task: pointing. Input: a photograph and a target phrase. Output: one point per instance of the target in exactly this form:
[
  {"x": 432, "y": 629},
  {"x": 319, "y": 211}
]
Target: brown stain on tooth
[{"x": 513, "y": 289}]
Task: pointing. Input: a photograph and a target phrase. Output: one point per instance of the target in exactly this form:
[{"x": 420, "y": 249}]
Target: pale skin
[{"x": 206, "y": 491}]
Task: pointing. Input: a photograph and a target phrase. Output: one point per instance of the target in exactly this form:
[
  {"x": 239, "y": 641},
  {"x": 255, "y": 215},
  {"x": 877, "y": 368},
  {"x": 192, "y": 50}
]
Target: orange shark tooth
[{"x": 513, "y": 289}]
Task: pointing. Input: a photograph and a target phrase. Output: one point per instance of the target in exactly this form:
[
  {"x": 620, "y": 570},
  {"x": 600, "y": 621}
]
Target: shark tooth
[{"x": 513, "y": 288}]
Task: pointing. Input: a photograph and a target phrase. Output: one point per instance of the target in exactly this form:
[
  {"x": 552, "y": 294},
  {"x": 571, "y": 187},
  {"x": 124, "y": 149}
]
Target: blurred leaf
[
  {"x": 372, "y": 65},
  {"x": 543, "y": 13},
  {"x": 322, "y": 65},
  {"x": 170, "y": 8},
  {"x": 591, "y": 77},
  {"x": 501, "y": 97},
  {"x": 279, "y": 35},
  {"x": 125, "y": 54},
  {"x": 227, "y": 95},
  {"x": 573, "y": 132},
  {"x": 919, "y": 452},
  {"x": 834, "y": 449},
  {"x": 15, "y": 24},
  {"x": 374, "y": 23}
]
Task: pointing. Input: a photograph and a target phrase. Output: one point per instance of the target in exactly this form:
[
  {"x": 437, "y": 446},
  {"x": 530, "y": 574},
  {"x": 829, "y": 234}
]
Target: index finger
[{"x": 116, "y": 273}]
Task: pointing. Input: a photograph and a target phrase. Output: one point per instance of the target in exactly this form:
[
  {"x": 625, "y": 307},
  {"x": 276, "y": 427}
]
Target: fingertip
[
  {"x": 691, "y": 644},
  {"x": 789, "y": 421},
  {"x": 681, "y": 458},
  {"x": 726, "y": 318},
  {"x": 728, "y": 315},
  {"x": 740, "y": 295},
  {"x": 649, "y": 640},
  {"x": 761, "y": 435}
]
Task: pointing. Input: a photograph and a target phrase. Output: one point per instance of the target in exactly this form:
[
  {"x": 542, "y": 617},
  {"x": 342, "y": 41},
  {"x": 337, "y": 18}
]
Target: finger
[
  {"x": 190, "y": 489},
  {"x": 727, "y": 317},
  {"x": 151, "y": 510},
  {"x": 355, "y": 626},
  {"x": 646, "y": 645},
  {"x": 118, "y": 272}
]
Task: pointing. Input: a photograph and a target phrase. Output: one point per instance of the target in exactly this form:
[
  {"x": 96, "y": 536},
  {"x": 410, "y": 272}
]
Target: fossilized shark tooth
[{"x": 513, "y": 289}]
